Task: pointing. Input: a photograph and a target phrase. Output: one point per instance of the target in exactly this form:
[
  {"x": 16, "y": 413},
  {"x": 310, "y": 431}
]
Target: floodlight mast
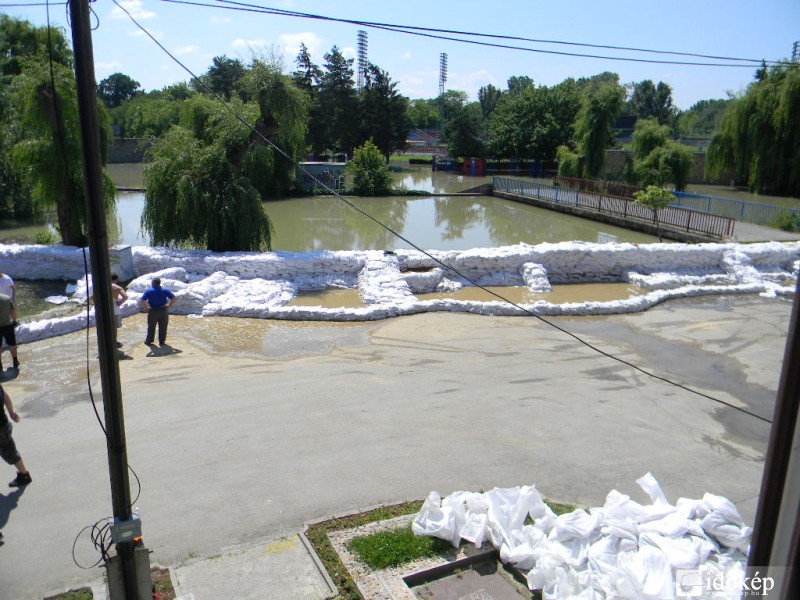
[{"x": 101, "y": 280}]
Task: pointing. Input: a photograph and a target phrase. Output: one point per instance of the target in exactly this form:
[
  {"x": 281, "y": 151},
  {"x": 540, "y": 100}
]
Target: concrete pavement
[{"x": 245, "y": 430}]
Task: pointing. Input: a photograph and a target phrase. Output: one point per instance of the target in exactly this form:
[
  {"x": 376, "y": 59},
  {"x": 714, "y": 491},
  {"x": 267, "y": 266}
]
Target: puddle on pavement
[
  {"x": 560, "y": 294},
  {"x": 269, "y": 338},
  {"x": 329, "y": 299}
]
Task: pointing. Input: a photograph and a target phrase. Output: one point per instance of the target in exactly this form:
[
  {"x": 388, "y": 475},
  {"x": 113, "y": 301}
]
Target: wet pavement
[{"x": 243, "y": 430}]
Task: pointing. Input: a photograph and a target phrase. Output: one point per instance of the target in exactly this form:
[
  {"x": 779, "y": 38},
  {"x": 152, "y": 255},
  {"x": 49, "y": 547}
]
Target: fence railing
[
  {"x": 752, "y": 212},
  {"x": 675, "y": 217},
  {"x": 611, "y": 188}
]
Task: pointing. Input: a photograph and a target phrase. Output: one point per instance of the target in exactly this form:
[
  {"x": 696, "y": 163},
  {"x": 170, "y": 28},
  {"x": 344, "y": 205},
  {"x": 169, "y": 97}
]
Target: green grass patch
[
  {"x": 396, "y": 547},
  {"x": 419, "y": 159},
  {"x": 317, "y": 534}
]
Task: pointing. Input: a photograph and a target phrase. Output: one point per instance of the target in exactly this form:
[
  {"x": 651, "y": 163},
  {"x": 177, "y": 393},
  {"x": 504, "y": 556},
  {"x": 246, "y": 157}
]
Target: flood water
[{"x": 328, "y": 223}]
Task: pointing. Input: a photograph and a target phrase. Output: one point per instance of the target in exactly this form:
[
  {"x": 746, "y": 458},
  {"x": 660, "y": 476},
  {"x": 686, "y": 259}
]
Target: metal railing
[
  {"x": 752, "y": 212},
  {"x": 601, "y": 186},
  {"x": 676, "y": 217}
]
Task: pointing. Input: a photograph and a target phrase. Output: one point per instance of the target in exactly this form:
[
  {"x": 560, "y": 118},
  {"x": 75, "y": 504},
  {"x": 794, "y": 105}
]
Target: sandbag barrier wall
[{"x": 262, "y": 285}]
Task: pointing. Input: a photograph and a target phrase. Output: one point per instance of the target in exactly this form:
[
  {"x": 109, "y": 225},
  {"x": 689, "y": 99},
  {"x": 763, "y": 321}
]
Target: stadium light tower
[
  {"x": 442, "y": 72},
  {"x": 362, "y": 58},
  {"x": 796, "y": 52}
]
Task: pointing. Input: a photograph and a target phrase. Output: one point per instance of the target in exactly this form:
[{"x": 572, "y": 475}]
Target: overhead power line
[
  {"x": 438, "y": 261},
  {"x": 440, "y": 34}
]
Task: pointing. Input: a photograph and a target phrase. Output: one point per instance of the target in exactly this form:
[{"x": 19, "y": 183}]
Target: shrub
[{"x": 368, "y": 174}]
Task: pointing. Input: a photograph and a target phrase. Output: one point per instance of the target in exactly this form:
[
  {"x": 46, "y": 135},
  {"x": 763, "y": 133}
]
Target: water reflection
[{"x": 435, "y": 222}]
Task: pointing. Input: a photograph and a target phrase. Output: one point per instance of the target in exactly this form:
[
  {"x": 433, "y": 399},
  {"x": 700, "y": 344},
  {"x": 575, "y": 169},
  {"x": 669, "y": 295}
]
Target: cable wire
[
  {"x": 428, "y": 254},
  {"x": 437, "y": 34}
]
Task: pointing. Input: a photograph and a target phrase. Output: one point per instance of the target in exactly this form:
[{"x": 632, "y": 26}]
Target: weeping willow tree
[
  {"x": 48, "y": 156},
  {"x": 208, "y": 176},
  {"x": 594, "y": 125},
  {"x": 40, "y": 129},
  {"x": 758, "y": 138}
]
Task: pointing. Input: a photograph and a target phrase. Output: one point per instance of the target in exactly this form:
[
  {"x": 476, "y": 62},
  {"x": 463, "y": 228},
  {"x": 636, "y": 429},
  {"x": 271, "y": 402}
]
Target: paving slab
[{"x": 284, "y": 568}]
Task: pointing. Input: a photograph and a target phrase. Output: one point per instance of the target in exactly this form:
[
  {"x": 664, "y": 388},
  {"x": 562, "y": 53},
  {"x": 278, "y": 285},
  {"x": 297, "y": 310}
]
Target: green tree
[
  {"x": 116, "y": 88},
  {"x": 488, "y": 97},
  {"x": 758, "y": 139},
  {"x": 47, "y": 154},
  {"x": 335, "y": 117},
  {"x": 533, "y": 123},
  {"x": 702, "y": 118},
  {"x": 21, "y": 43},
  {"x": 657, "y": 159},
  {"x": 222, "y": 77},
  {"x": 207, "y": 177},
  {"x": 594, "y": 125},
  {"x": 461, "y": 133},
  {"x": 308, "y": 75},
  {"x": 383, "y": 111},
  {"x": 423, "y": 114},
  {"x": 652, "y": 101},
  {"x": 367, "y": 173},
  {"x": 647, "y": 136},
  {"x": 569, "y": 163},
  {"x": 147, "y": 115},
  {"x": 655, "y": 198},
  {"x": 518, "y": 83}
]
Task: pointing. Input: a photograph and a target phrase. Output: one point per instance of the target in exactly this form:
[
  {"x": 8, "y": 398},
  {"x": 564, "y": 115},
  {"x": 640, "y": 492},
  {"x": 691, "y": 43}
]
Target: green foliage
[
  {"x": 383, "y": 111},
  {"x": 649, "y": 101},
  {"x": 758, "y": 140},
  {"x": 657, "y": 160},
  {"x": 45, "y": 238},
  {"x": 308, "y": 75},
  {"x": 569, "y": 163},
  {"x": 46, "y": 154},
  {"x": 594, "y": 123},
  {"x": 423, "y": 114},
  {"x": 488, "y": 97},
  {"x": 116, "y": 88},
  {"x": 788, "y": 221},
  {"x": 655, "y": 198},
  {"x": 648, "y": 135},
  {"x": 334, "y": 119},
  {"x": 147, "y": 115},
  {"x": 222, "y": 78},
  {"x": 195, "y": 196},
  {"x": 208, "y": 176},
  {"x": 534, "y": 122},
  {"x": 702, "y": 118},
  {"x": 367, "y": 173},
  {"x": 461, "y": 133},
  {"x": 396, "y": 547}
]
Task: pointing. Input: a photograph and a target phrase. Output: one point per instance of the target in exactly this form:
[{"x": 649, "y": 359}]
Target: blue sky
[{"x": 735, "y": 28}]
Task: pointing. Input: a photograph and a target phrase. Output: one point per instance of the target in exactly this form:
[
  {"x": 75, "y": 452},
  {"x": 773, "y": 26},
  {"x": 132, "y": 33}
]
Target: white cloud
[
  {"x": 134, "y": 7},
  {"x": 108, "y": 66},
  {"x": 159, "y": 35},
  {"x": 470, "y": 82},
  {"x": 243, "y": 44},
  {"x": 218, "y": 20},
  {"x": 406, "y": 56},
  {"x": 289, "y": 43},
  {"x": 348, "y": 52},
  {"x": 190, "y": 49}
]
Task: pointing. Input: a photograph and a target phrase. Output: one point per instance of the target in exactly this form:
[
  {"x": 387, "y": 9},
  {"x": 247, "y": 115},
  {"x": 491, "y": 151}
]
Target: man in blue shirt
[{"x": 156, "y": 301}]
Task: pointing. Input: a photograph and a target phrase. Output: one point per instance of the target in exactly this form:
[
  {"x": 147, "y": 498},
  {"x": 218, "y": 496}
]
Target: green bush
[
  {"x": 788, "y": 221},
  {"x": 45, "y": 238},
  {"x": 368, "y": 174}
]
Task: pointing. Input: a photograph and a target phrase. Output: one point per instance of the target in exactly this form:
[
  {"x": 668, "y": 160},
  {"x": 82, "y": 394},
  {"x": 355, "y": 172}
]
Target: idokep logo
[
  {"x": 696, "y": 583},
  {"x": 690, "y": 583}
]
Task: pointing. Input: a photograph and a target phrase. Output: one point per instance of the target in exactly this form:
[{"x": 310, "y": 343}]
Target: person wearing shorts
[
  {"x": 8, "y": 449},
  {"x": 8, "y": 322}
]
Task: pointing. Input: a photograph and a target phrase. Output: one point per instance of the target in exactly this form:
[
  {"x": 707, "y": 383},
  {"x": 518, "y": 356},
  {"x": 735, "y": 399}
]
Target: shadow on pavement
[{"x": 161, "y": 351}]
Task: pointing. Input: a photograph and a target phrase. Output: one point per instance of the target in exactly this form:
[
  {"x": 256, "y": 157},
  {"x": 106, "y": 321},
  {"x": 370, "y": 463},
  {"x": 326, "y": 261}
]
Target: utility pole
[{"x": 134, "y": 562}]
